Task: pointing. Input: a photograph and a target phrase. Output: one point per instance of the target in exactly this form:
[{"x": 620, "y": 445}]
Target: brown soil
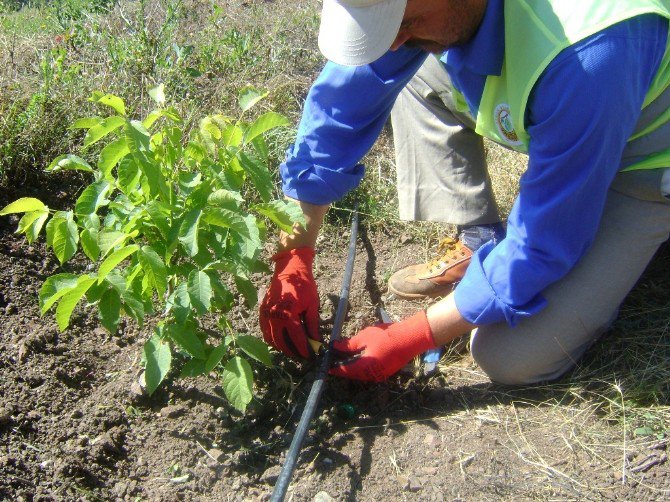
[{"x": 74, "y": 427}]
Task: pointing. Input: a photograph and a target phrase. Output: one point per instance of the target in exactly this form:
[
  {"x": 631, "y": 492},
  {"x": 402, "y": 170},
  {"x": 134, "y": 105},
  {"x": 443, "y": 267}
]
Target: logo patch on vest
[{"x": 503, "y": 119}]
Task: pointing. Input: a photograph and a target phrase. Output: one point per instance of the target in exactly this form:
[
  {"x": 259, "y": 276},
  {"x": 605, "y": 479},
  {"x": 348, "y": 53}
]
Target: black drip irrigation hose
[{"x": 284, "y": 478}]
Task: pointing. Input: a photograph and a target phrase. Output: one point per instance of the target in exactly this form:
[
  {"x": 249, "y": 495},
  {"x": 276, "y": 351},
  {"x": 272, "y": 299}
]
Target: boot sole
[{"x": 419, "y": 296}]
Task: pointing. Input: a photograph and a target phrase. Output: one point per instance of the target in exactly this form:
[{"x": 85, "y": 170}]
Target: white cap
[{"x": 358, "y": 32}]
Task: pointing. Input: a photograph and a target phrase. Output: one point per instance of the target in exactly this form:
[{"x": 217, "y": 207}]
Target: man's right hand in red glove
[{"x": 289, "y": 313}]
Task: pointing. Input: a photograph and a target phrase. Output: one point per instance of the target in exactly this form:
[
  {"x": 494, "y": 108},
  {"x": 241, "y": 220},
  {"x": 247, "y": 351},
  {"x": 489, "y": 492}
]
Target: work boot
[
  {"x": 439, "y": 277},
  {"x": 435, "y": 278}
]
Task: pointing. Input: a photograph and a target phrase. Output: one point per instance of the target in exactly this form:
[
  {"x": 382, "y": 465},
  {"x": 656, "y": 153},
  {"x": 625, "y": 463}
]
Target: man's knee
[{"x": 507, "y": 361}]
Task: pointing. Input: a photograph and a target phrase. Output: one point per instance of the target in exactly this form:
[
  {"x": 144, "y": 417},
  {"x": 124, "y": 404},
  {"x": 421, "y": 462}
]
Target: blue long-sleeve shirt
[{"x": 580, "y": 114}]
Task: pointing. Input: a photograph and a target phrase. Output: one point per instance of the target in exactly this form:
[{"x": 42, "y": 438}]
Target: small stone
[
  {"x": 414, "y": 484},
  {"x": 172, "y": 411},
  {"x": 216, "y": 454},
  {"x": 76, "y": 414},
  {"x": 429, "y": 471},
  {"x": 406, "y": 238},
  {"x": 429, "y": 440},
  {"x": 270, "y": 475},
  {"x": 323, "y": 497},
  {"x": 141, "y": 462},
  {"x": 121, "y": 488},
  {"x": 5, "y": 415},
  {"x": 24, "y": 351},
  {"x": 328, "y": 461},
  {"x": 136, "y": 389}
]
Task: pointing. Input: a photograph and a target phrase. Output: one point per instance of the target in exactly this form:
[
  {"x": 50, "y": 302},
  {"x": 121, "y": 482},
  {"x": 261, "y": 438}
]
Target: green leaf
[
  {"x": 110, "y": 100},
  {"x": 248, "y": 290},
  {"x": 54, "y": 288},
  {"x": 154, "y": 269},
  {"x": 158, "y": 94},
  {"x": 282, "y": 213},
  {"x": 643, "y": 431},
  {"x": 249, "y": 247},
  {"x": 114, "y": 259},
  {"x": 27, "y": 220},
  {"x": 23, "y": 205},
  {"x": 180, "y": 303},
  {"x": 133, "y": 305},
  {"x": 86, "y": 123},
  {"x": 112, "y": 154},
  {"x": 70, "y": 163},
  {"x": 158, "y": 357},
  {"x": 89, "y": 243},
  {"x": 261, "y": 147},
  {"x": 193, "y": 368},
  {"x": 92, "y": 198},
  {"x": 188, "y": 232},
  {"x": 255, "y": 348},
  {"x": 264, "y": 123},
  {"x": 138, "y": 137},
  {"x": 227, "y": 199},
  {"x": 259, "y": 174},
  {"x": 221, "y": 217},
  {"x": 232, "y": 135},
  {"x": 190, "y": 180},
  {"x": 105, "y": 127},
  {"x": 186, "y": 337},
  {"x": 223, "y": 299},
  {"x": 129, "y": 175},
  {"x": 238, "y": 383},
  {"x": 249, "y": 96},
  {"x": 158, "y": 213},
  {"x": 215, "y": 356},
  {"x": 91, "y": 221},
  {"x": 34, "y": 230},
  {"x": 109, "y": 239},
  {"x": 65, "y": 238},
  {"x": 70, "y": 300},
  {"x": 200, "y": 291},
  {"x": 110, "y": 309},
  {"x": 95, "y": 292},
  {"x": 151, "y": 119}
]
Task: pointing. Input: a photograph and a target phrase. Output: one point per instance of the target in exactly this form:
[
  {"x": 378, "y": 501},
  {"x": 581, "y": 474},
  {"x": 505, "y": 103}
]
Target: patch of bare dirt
[{"x": 74, "y": 427}]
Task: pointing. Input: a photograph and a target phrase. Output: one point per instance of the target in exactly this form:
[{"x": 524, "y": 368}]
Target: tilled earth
[{"x": 74, "y": 424}]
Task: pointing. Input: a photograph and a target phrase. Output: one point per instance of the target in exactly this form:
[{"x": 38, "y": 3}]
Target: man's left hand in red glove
[{"x": 378, "y": 352}]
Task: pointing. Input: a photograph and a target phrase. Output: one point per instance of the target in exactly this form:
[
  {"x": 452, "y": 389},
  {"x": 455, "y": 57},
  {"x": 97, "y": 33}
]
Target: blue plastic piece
[
  {"x": 430, "y": 360},
  {"x": 432, "y": 355}
]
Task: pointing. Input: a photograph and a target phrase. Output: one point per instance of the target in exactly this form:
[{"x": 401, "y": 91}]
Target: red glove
[
  {"x": 289, "y": 312},
  {"x": 377, "y": 352}
]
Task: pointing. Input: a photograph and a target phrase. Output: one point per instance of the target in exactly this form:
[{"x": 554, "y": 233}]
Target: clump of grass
[{"x": 203, "y": 53}]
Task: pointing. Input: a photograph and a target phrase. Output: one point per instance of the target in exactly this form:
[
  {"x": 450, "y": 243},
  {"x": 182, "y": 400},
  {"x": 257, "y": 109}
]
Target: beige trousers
[{"x": 442, "y": 177}]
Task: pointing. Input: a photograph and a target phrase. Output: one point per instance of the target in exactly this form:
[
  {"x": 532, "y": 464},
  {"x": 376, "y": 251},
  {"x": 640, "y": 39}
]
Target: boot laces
[{"x": 445, "y": 248}]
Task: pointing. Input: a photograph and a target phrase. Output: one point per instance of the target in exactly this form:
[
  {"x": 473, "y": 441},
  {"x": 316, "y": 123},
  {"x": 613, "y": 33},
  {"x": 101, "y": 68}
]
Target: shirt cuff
[
  {"x": 318, "y": 185},
  {"x": 477, "y": 301}
]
